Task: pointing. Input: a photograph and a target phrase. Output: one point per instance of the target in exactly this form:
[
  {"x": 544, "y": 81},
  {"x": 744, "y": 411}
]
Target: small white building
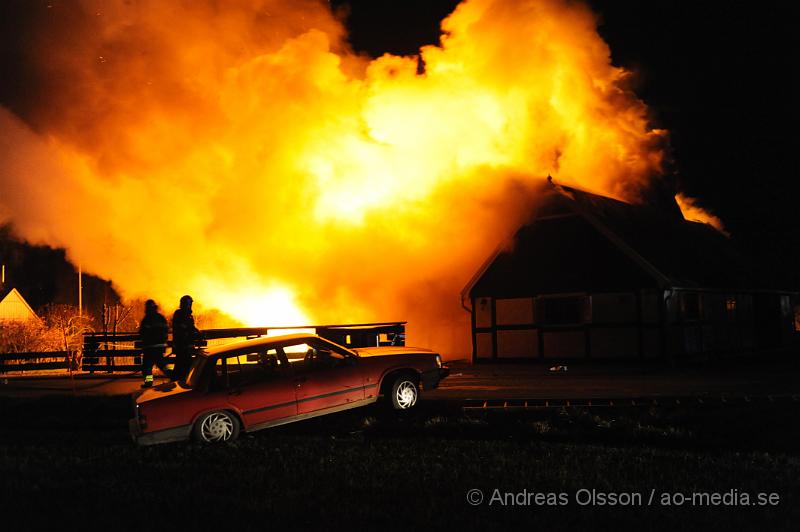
[{"x": 13, "y": 306}]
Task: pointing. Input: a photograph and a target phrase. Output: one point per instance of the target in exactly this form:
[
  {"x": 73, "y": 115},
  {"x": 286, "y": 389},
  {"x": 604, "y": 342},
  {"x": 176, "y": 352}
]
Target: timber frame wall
[{"x": 658, "y": 324}]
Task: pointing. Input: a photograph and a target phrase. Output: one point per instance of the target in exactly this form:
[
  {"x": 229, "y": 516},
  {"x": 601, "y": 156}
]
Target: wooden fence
[{"x": 35, "y": 361}]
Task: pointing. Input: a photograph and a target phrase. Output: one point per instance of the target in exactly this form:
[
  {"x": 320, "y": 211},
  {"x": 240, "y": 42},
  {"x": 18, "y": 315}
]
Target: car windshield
[{"x": 323, "y": 342}]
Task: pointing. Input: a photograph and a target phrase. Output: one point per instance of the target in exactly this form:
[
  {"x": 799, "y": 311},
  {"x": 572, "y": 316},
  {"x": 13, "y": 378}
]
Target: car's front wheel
[
  {"x": 217, "y": 426},
  {"x": 405, "y": 393}
]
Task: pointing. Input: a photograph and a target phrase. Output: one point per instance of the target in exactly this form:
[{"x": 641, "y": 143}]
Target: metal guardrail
[
  {"x": 113, "y": 346},
  {"x": 389, "y": 327}
]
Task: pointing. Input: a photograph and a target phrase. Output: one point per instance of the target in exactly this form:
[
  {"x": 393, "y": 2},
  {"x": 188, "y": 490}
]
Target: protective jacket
[
  {"x": 184, "y": 333},
  {"x": 153, "y": 330}
]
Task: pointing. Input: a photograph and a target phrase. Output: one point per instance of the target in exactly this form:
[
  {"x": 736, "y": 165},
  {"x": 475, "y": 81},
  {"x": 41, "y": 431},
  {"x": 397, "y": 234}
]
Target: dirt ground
[
  {"x": 65, "y": 441},
  {"x": 68, "y": 462}
]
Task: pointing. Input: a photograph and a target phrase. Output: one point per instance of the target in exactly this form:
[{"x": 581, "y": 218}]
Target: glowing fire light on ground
[{"x": 245, "y": 155}]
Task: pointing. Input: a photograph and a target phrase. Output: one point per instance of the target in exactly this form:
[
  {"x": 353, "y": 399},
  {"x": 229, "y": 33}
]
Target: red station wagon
[{"x": 262, "y": 383}]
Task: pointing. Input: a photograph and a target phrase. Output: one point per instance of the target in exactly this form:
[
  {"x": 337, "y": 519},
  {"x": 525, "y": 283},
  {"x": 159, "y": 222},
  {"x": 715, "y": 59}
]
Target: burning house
[{"x": 591, "y": 277}]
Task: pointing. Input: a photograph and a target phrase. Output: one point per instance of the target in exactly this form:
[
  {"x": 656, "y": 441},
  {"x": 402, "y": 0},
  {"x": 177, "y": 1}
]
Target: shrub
[{"x": 27, "y": 336}]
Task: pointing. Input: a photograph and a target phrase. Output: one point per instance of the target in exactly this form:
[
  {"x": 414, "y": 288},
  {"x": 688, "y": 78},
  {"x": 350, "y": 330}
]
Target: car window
[
  {"x": 243, "y": 369},
  {"x": 304, "y": 357},
  {"x": 296, "y": 352}
]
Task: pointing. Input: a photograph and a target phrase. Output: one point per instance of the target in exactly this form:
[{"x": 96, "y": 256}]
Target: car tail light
[{"x": 439, "y": 360}]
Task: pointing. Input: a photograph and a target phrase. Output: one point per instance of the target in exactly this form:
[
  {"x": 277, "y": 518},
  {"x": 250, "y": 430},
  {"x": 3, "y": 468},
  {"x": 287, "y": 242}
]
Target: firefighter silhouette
[
  {"x": 185, "y": 337},
  {"x": 153, "y": 336}
]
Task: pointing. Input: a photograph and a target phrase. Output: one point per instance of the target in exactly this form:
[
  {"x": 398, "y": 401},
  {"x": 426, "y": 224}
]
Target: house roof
[
  {"x": 670, "y": 250},
  {"x": 679, "y": 253},
  {"x": 11, "y": 293}
]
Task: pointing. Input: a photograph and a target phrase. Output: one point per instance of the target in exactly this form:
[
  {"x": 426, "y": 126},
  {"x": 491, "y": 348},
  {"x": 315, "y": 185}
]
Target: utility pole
[{"x": 80, "y": 291}]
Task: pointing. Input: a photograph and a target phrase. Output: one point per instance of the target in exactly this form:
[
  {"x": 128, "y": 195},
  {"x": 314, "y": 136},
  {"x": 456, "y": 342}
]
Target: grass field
[{"x": 69, "y": 460}]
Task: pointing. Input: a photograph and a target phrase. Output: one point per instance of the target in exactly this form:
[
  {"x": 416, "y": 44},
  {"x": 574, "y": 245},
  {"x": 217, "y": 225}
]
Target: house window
[
  {"x": 564, "y": 310},
  {"x": 730, "y": 308}
]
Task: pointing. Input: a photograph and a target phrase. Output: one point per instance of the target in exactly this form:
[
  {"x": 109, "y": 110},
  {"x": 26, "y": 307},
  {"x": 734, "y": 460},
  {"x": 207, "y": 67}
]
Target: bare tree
[
  {"x": 69, "y": 326},
  {"x": 134, "y": 315},
  {"x": 117, "y": 317},
  {"x": 121, "y": 317}
]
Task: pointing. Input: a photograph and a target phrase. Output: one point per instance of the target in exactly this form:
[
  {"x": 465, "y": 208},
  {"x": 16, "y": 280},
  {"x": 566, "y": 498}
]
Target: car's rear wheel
[
  {"x": 215, "y": 427},
  {"x": 405, "y": 392}
]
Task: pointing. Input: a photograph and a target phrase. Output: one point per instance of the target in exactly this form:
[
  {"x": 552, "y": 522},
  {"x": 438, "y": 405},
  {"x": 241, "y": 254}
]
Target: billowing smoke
[{"x": 239, "y": 151}]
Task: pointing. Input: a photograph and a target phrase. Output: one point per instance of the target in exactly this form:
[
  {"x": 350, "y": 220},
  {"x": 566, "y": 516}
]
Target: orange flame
[
  {"x": 694, "y": 213},
  {"x": 247, "y": 156}
]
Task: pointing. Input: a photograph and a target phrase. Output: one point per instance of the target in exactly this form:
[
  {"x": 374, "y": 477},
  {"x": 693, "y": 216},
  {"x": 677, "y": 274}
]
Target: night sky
[{"x": 720, "y": 76}]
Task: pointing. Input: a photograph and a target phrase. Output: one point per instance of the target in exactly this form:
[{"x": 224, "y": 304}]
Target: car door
[
  {"x": 259, "y": 384},
  {"x": 324, "y": 378}
]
